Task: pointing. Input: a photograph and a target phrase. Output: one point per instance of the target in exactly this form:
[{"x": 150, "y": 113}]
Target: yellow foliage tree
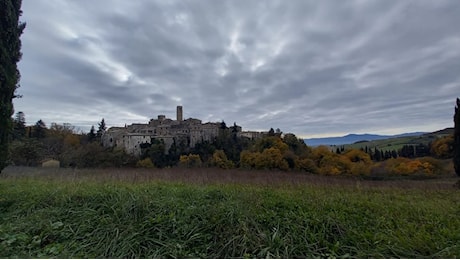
[
  {"x": 355, "y": 155},
  {"x": 330, "y": 163},
  {"x": 405, "y": 166},
  {"x": 306, "y": 164},
  {"x": 219, "y": 159},
  {"x": 271, "y": 158},
  {"x": 360, "y": 162},
  {"x": 270, "y": 142},
  {"x": 190, "y": 161},
  {"x": 360, "y": 168},
  {"x": 248, "y": 159},
  {"x": 443, "y": 147},
  {"x": 334, "y": 164},
  {"x": 320, "y": 152}
]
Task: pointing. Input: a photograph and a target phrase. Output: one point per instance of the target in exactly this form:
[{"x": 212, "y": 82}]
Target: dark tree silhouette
[
  {"x": 92, "y": 134},
  {"x": 19, "y": 126},
  {"x": 101, "y": 129},
  {"x": 10, "y": 54},
  {"x": 39, "y": 130},
  {"x": 457, "y": 138}
]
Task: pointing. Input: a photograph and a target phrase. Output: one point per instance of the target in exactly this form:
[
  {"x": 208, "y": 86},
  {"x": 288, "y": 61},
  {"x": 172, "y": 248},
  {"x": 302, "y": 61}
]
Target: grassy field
[{"x": 208, "y": 213}]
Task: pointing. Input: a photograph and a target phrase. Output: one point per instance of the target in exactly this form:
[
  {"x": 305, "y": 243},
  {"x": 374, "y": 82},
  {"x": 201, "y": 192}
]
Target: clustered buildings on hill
[{"x": 191, "y": 131}]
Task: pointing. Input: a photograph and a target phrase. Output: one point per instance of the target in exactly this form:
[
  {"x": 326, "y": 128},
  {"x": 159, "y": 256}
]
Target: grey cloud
[{"x": 305, "y": 67}]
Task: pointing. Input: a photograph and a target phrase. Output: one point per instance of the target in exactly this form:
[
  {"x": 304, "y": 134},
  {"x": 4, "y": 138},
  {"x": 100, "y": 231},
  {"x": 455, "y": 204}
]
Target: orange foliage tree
[{"x": 405, "y": 166}]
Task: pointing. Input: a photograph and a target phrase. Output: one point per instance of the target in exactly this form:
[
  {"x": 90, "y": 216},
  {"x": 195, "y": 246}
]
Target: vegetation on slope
[{"x": 275, "y": 151}]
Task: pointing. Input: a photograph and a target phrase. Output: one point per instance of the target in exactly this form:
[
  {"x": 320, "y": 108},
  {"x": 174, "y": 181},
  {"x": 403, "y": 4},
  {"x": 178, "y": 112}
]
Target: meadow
[{"x": 212, "y": 213}]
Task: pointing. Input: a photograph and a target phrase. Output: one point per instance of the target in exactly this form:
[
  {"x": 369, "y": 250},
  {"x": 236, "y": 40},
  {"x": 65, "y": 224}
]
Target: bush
[
  {"x": 360, "y": 162},
  {"x": 220, "y": 160},
  {"x": 307, "y": 165},
  {"x": 360, "y": 168},
  {"x": 404, "y": 166},
  {"x": 330, "y": 163},
  {"x": 271, "y": 158},
  {"x": 443, "y": 147},
  {"x": 356, "y": 156},
  {"x": 439, "y": 166},
  {"x": 248, "y": 159},
  {"x": 146, "y": 163},
  {"x": 190, "y": 161},
  {"x": 26, "y": 153}
]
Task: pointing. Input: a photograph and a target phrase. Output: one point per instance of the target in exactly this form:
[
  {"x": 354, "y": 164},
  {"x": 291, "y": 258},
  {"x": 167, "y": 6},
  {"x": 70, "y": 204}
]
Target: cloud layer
[{"x": 308, "y": 67}]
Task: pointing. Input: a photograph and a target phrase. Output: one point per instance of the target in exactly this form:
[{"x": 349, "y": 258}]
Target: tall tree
[
  {"x": 19, "y": 126},
  {"x": 101, "y": 129},
  {"x": 92, "y": 134},
  {"x": 10, "y": 54},
  {"x": 39, "y": 130},
  {"x": 457, "y": 138}
]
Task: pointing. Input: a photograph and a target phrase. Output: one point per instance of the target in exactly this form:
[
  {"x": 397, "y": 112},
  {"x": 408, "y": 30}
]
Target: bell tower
[{"x": 179, "y": 113}]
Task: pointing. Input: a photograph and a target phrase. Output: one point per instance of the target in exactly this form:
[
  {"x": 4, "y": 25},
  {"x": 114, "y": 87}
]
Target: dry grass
[{"x": 204, "y": 176}]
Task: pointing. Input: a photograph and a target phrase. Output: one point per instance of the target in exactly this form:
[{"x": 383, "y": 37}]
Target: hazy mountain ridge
[{"x": 353, "y": 138}]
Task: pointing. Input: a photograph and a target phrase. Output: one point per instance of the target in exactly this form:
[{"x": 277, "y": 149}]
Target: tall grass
[{"x": 83, "y": 218}]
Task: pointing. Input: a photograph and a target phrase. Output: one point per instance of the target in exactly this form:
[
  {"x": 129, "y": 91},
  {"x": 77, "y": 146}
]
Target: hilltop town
[{"x": 190, "y": 131}]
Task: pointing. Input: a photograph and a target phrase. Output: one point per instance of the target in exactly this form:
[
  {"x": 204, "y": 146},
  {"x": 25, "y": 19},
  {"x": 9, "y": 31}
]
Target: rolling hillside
[
  {"x": 397, "y": 143},
  {"x": 380, "y": 141},
  {"x": 353, "y": 138}
]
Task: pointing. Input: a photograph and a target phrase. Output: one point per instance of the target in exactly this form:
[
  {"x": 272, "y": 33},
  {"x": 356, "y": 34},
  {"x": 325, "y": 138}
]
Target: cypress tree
[
  {"x": 92, "y": 134},
  {"x": 457, "y": 138},
  {"x": 10, "y": 54},
  {"x": 19, "y": 126},
  {"x": 377, "y": 155},
  {"x": 39, "y": 130}
]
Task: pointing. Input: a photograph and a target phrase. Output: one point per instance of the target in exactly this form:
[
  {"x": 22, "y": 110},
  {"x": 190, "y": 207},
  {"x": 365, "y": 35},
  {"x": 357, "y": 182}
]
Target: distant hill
[
  {"x": 446, "y": 131},
  {"x": 353, "y": 138}
]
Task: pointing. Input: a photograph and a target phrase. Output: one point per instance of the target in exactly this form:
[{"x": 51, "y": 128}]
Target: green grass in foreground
[{"x": 118, "y": 220}]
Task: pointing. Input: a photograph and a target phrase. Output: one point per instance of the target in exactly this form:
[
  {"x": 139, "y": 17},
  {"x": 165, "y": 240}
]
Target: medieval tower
[{"x": 179, "y": 113}]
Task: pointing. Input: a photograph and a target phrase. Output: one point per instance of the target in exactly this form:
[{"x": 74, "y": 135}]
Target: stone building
[{"x": 133, "y": 137}]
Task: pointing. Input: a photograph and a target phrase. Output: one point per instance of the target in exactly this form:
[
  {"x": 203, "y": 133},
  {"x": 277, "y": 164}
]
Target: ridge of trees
[{"x": 274, "y": 151}]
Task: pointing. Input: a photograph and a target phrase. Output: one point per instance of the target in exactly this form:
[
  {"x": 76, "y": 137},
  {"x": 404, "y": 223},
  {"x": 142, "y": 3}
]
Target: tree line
[
  {"x": 31, "y": 145},
  {"x": 441, "y": 148},
  {"x": 275, "y": 151}
]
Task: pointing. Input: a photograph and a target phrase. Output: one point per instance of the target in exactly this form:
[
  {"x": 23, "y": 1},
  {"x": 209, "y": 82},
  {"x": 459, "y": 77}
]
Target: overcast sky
[{"x": 313, "y": 68}]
